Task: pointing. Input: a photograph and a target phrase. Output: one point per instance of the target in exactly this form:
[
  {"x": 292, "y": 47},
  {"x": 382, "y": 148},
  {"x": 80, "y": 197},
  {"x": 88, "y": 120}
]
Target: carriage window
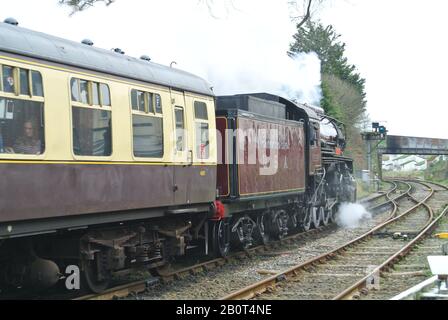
[
  {"x": 202, "y": 140},
  {"x": 84, "y": 91},
  {"x": 149, "y": 97},
  {"x": 24, "y": 82},
  {"x": 36, "y": 79},
  {"x": 147, "y": 136},
  {"x": 141, "y": 101},
  {"x": 145, "y": 101},
  {"x": 95, "y": 94},
  {"x": 200, "y": 110},
  {"x": 98, "y": 95},
  {"x": 158, "y": 101},
  {"x": 202, "y": 130},
  {"x": 179, "y": 118},
  {"x": 21, "y": 127},
  {"x": 74, "y": 84},
  {"x": 92, "y": 132},
  {"x": 92, "y": 121},
  {"x": 105, "y": 95},
  {"x": 134, "y": 100},
  {"x": 8, "y": 79}
]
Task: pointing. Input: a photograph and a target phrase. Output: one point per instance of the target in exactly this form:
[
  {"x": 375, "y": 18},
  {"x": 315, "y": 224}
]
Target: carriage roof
[{"x": 21, "y": 41}]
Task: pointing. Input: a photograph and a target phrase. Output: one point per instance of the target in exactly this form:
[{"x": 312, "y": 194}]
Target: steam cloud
[
  {"x": 239, "y": 46},
  {"x": 350, "y": 215},
  {"x": 246, "y": 51}
]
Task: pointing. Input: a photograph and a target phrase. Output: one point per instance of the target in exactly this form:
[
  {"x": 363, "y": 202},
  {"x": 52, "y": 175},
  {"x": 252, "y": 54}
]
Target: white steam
[
  {"x": 350, "y": 215},
  {"x": 245, "y": 51},
  {"x": 239, "y": 46}
]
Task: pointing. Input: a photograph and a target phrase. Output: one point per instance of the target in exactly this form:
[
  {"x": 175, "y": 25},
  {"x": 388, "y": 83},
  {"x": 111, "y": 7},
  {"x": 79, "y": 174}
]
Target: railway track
[
  {"x": 293, "y": 247},
  {"x": 280, "y": 248},
  {"x": 341, "y": 273},
  {"x": 374, "y": 200},
  {"x": 182, "y": 272},
  {"x": 414, "y": 267}
]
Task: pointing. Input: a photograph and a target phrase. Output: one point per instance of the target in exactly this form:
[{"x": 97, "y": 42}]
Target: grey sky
[{"x": 399, "y": 46}]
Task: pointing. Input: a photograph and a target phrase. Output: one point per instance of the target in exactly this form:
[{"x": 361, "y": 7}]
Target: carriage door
[{"x": 183, "y": 154}]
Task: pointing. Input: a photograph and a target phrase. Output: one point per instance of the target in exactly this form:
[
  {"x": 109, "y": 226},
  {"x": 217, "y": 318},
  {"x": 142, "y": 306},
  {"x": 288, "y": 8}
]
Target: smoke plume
[{"x": 245, "y": 51}]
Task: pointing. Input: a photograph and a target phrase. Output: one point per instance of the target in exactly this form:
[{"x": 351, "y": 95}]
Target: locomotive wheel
[
  {"x": 278, "y": 225},
  {"x": 261, "y": 236},
  {"x": 294, "y": 224},
  {"x": 315, "y": 217},
  {"x": 325, "y": 215},
  {"x": 90, "y": 275},
  {"x": 334, "y": 211},
  {"x": 306, "y": 224},
  {"x": 220, "y": 238}
]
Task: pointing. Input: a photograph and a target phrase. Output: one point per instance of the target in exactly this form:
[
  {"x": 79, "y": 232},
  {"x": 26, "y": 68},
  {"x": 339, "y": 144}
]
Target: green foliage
[
  {"x": 437, "y": 171},
  {"x": 341, "y": 99},
  {"x": 343, "y": 88},
  {"x": 324, "y": 41}
]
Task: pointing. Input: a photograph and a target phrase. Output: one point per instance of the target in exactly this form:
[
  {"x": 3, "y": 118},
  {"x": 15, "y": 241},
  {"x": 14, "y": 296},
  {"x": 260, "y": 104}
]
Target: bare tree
[
  {"x": 303, "y": 10},
  {"x": 80, "y": 5},
  {"x": 227, "y": 5}
]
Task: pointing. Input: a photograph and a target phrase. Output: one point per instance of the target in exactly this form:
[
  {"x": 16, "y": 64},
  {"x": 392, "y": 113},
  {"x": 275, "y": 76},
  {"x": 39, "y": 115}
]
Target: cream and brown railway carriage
[{"x": 92, "y": 141}]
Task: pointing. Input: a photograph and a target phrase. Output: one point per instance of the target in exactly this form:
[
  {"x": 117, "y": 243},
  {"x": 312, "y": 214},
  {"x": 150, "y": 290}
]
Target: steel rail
[
  {"x": 360, "y": 287},
  {"x": 392, "y": 201},
  {"x": 383, "y": 194},
  {"x": 270, "y": 282},
  {"x": 140, "y": 286}
]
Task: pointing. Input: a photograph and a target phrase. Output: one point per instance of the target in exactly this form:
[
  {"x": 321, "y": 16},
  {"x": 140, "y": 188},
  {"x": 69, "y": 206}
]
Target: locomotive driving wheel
[
  {"x": 334, "y": 211},
  {"x": 220, "y": 238},
  {"x": 261, "y": 235},
  {"x": 325, "y": 215},
  {"x": 95, "y": 274},
  {"x": 306, "y": 224}
]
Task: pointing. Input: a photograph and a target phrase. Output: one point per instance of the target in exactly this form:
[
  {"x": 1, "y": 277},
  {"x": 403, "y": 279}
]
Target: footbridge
[{"x": 413, "y": 145}]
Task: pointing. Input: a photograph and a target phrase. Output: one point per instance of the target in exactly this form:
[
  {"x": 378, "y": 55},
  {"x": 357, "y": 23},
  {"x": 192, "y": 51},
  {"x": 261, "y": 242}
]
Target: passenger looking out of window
[
  {"x": 28, "y": 143},
  {"x": 8, "y": 79}
]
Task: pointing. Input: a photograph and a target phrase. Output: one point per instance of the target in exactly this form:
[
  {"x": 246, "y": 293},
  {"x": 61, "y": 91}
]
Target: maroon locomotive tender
[{"x": 108, "y": 163}]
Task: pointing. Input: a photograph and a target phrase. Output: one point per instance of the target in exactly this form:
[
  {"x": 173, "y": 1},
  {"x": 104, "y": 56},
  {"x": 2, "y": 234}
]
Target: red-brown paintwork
[
  {"x": 290, "y": 146},
  {"x": 36, "y": 191},
  {"x": 315, "y": 156}
]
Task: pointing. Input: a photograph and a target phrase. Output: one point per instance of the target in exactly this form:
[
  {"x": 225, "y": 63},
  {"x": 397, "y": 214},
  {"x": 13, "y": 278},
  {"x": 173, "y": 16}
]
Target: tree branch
[
  {"x": 309, "y": 8},
  {"x": 80, "y": 5},
  {"x": 306, "y": 16}
]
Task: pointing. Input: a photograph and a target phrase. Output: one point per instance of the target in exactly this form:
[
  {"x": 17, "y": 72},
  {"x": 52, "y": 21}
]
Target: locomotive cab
[{"x": 332, "y": 135}]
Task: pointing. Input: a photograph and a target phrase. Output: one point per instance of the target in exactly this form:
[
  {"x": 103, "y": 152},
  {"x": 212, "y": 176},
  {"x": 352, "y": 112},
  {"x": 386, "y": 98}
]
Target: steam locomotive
[{"x": 110, "y": 162}]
